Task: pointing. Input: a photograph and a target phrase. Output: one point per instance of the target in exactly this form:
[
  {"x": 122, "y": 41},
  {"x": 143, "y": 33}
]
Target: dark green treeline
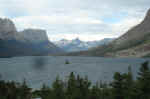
[{"x": 123, "y": 86}]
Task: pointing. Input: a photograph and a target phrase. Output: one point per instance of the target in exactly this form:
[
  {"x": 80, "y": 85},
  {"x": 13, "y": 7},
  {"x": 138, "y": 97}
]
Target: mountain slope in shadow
[{"x": 25, "y": 43}]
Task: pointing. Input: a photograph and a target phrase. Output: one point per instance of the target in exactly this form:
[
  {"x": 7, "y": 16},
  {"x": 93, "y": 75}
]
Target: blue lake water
[{"x": 39, "y": 70}]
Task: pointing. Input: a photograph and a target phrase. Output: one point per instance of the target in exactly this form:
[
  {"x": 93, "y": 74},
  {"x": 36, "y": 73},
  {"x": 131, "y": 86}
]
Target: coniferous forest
[{"x": 123, "y": 86}]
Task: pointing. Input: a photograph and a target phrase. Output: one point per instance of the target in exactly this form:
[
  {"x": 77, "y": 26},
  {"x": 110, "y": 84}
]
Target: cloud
[
  {"x": 87, "y": 19},
  {"x": 123, "y": 26},
  {"x": 83, "y": 37},
  {"x": 46, "y": 21}
]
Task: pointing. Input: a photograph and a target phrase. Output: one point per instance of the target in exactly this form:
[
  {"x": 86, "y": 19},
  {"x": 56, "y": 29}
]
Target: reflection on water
[
  {"x": 39, "y": 63},
  {"x": 0, "y": 76}
]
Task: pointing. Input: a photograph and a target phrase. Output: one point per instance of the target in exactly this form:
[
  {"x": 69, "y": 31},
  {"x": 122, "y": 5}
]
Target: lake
[{"x": 38, "y": 70}]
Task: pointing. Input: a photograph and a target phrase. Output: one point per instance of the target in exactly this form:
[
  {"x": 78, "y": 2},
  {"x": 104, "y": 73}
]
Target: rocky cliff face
[
  {"x": 33, "y": 35},
  {"x": 7, "y": 29},
  {"x": 134, "y": 43},
  {"x": 135, "y": 34},
  {"x": 148, "y": 15},
  {"x": 26, "y": 43}
]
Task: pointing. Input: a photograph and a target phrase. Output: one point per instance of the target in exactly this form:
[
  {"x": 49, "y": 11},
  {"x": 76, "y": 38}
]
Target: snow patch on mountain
[{"x": 79, "y": 45}]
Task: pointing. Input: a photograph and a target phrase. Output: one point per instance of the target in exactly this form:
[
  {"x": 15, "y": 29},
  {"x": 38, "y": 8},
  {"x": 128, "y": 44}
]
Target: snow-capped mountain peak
[{"x": 79, "y": 45}]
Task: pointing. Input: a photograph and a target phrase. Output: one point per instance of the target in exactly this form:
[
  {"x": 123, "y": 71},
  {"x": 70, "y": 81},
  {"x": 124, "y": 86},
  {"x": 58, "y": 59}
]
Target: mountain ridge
[
  {"x": 24, "y": 43},
  {"x": 134, "y": 43},
  {"x": 79, "y": 45}
]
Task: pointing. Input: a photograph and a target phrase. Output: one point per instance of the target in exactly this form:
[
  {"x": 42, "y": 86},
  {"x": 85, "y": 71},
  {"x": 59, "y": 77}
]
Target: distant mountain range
[
  {"x": 25, "y": 43},
  {"x": 78, "y": 45},
  {"x": 134, "y": 43}
]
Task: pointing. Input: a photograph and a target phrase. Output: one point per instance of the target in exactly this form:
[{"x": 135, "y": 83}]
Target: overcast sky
[{"x": 86, "y": 19}]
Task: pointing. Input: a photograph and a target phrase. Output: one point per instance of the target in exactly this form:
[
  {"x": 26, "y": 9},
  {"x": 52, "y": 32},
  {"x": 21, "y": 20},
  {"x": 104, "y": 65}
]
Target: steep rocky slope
[
  {"x": 7, "y": 29},
  {"x": 135, "y": 35},
  {"x": 33, "y": 35},
  {"x": 134, "y": 43},
  {"x": 28, "y": 42}
]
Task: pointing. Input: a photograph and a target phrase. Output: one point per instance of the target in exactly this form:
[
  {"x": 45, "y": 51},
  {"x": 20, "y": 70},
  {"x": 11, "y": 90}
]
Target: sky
[{"x": 68, "y": 19}]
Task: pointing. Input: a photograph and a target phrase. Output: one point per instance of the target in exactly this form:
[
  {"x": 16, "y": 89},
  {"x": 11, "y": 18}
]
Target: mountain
[
  {"x": 135, "y": 35},
  {"x": 7, "y": 29},
  {"x": 78, "y": 45},
  {"x": 25, "y": 43},
  {"x": 33, "y": 35},
  {"x": 134, "y": 43}
]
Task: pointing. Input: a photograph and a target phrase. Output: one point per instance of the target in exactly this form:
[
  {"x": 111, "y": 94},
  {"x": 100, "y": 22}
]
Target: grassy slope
[{"x": 139, "y": 49}]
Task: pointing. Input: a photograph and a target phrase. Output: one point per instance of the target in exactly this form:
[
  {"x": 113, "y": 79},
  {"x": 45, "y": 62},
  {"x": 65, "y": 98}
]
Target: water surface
[{"x": 39, "y": 70}]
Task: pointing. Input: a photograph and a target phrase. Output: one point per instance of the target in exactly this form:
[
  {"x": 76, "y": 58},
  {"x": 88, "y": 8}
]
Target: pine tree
[
  {"x": 143, "y": 81},
  {"x": 83, "y": 85},
  {"x": 58, "y": 89},
  {"x": 128, "y": 84},
  {"x": 71, "y": 86},
  {"x": 25, "y": 91},
  {"x": 117, "y": 86},
  {"x": 77, "y": 87},
  {"x": 105, "y": 91},
  {"x": 45, "y": 92},
  {"x": 95, "y": 92}
]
